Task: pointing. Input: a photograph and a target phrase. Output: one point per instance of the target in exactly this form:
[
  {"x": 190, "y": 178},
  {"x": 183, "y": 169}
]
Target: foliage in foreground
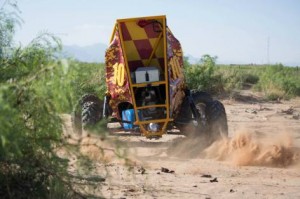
[
  {"x": 34, "y": 88},
  {"x": 29, "y": 127}
]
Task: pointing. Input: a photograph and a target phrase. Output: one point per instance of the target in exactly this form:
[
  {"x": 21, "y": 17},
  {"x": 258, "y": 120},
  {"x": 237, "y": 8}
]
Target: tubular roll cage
[{"x": 133, "y": 85}]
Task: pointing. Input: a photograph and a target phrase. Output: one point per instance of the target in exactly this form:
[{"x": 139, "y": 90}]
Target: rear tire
[
  {"x": 87, "y": 113},
  {"x": 201, "y": 96},
  {"x": 217, "y": 126},
  {"x": 184, "y": 119}
]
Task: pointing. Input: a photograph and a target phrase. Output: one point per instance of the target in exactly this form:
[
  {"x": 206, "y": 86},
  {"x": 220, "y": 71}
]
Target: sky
[{"x": 236, "y": 31}]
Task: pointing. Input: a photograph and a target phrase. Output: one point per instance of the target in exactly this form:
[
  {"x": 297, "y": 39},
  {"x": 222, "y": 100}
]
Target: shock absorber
[
  {"x": 105, "y": 113},
  {"x": 193, "y": 107}
]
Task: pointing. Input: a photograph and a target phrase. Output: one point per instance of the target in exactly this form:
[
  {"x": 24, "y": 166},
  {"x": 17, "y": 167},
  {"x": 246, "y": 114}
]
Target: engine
[{"x": 151, "y": 96}]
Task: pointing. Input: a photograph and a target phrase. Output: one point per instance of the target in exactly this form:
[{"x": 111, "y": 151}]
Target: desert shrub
[
  {"x": 231, "y": 79},
  {"x": 86, "y": 78},
  {"x": 250, "y": 78},
  {"x": 236, "y": 78},
  {"x": 278, "y": 81},
  {"x": 209, "y": 77},
  {"x": 30, "y": 127},
  {"x": 32, "y": 93},
  {"x": 275, "y": 81},
  {"x": 202, "y": 76},
  {"x": 74, "y": 79}
]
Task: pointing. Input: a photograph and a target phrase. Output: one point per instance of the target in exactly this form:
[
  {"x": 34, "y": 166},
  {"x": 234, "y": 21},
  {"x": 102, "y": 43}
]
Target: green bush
[
  {"x": 278, "y": 81},
  {"x": 30, "y": 127},
  {"x": 73, "y": 79},
  {"x": 275, "y": 81},
  {"x": 34, "y": 88},
  {"x": 86, "y": 78},
  {"x": 236, "y": 78},
  {"x": 250, "y": 78},
  {"x": 203, "y": 77}
]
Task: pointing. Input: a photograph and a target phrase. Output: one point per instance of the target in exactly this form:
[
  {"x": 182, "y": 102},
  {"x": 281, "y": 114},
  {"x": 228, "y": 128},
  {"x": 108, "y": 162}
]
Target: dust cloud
[
  {"x": 107, "y": 150},
  {"x": 245, "y": 150},
  {"x": 187, "y": 147}
]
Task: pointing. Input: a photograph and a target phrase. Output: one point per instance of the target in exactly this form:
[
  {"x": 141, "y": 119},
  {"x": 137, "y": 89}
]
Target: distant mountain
[
  {"x": 92, "y": 53},
  {"x": 96, "y": 53}
]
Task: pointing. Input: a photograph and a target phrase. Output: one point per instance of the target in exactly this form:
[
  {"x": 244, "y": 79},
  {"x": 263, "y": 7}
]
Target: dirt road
[{"x": 260, "y": 160}]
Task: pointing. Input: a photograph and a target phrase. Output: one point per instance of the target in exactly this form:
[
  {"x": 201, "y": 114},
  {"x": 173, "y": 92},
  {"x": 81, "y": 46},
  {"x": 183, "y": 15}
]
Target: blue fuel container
[{"x": 128, "y": 115}]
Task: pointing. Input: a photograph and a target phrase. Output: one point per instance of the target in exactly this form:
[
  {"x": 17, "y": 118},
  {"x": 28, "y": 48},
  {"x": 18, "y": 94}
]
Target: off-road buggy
[{"x": 146, "y": 88}]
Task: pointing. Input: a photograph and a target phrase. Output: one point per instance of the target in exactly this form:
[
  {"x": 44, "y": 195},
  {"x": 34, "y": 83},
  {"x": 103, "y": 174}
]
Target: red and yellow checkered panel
[
  {"x": 138, "y": 38},
  {"x": 141, "y": 38}
]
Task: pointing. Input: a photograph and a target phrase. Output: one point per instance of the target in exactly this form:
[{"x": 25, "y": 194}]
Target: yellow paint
[
  {"x": 160, "y": 48},
  {"x": 137, "y": 33},
  {"x": 113, "y": 33},
  {"x": 152, "y": 84},
  {"x": 131, "y": 51},
  {"x": 160, "y": 17},
  {"x": 154, "y": 47},
  {"x": 176, "y": 68},
  {"x": 153, "y": 62},
  {"x": 119, "y": 74}
]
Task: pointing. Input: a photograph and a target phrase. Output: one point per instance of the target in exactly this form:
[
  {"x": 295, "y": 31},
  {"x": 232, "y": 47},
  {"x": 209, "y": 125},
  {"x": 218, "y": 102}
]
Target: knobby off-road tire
[
  {"x": 201, "y": 97},
  {"x": 184, "y": 120},
  {"x": 212, "y": 123},
  {"x": 217, "y": 126},
  {"x": 87, "y": 113}
]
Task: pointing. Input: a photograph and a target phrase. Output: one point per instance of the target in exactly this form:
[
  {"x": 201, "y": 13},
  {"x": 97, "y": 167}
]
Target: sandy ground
[{"x": 259, "y": 160}]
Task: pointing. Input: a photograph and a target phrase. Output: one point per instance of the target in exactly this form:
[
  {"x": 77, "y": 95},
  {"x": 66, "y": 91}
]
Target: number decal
[
  {"x": 119, "y": 74},
  {"x": 176, "y": 68}
]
